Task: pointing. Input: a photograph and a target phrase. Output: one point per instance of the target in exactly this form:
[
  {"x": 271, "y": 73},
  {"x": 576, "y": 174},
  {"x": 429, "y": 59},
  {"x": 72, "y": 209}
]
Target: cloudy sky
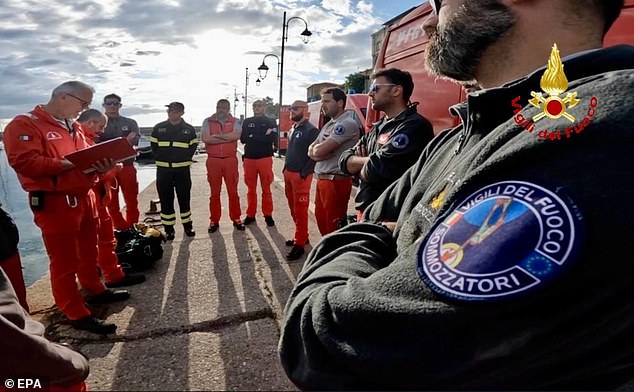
[{"x": 152, "y": 52}]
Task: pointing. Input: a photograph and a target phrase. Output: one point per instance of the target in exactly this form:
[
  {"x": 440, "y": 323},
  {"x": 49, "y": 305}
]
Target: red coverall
[
  {"x": 257, "y": 161},
  {"x": 127, "y": 182},
  {"x": 66, "y": 213},
  {"x": 329, "y": 203},
  {"x": 104, "y": 192},
  {"x": 222, "y": 162},
  {"x": 12, "y": 266}
]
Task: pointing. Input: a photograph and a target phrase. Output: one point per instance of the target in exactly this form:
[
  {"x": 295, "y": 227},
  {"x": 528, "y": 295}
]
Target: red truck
[{"x": 404, "y": 45}]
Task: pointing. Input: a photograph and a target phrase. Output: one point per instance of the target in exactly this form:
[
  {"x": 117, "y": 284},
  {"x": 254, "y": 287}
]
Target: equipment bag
[
  {"x": 9, "y": 235},
  {"x": 139, "y": 247}
]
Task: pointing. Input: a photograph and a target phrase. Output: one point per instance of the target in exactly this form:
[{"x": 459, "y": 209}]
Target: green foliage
[
  {"x": 272, "y": 109},
  {"x": 356, "y": 82}
]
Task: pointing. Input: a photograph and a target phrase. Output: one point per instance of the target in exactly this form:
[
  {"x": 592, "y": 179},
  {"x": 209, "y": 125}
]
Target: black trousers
[{"x": 170, "y": 179}]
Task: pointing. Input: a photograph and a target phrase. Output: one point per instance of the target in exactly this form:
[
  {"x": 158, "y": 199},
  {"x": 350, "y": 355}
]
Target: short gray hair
[
  {"x": 73, "y": 86},
  {"x": 90, "y": 114}
]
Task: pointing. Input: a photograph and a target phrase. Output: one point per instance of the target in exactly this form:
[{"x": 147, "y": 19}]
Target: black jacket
[
  {"x": 257, "y": 144},
  {"x": 393, "y": 146},
  {"x": 297, "y": 160},
  {"x": 173, "y": 143},
  {"x": 509, "y": 267}
]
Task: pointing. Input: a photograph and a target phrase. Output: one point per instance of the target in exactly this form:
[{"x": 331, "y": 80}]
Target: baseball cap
[{"x": 176, "y": 105}]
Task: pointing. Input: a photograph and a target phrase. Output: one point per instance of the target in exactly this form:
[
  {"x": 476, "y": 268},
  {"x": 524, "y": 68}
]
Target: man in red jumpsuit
[
  {"x": 62, "y": 199},
  {"x": 220, "y": 133},
  {"x": 298, "y": 175},
  {"x": 258, "y": 135},
  {"x": 93, "y": 123}
]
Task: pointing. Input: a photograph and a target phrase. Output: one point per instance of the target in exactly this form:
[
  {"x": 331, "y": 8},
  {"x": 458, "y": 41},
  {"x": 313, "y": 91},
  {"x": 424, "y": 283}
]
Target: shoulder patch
[
  {"x": 53, "y": 135},
  {"x": 400, "y": 141},
  {"x": 339, "y": 130},
  {"x": 383, "y": 138},
  {"x": 505, "y": 240}
]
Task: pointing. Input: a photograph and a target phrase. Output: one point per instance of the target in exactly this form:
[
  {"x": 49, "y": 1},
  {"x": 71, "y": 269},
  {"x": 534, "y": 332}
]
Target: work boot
[
  {"x": 269, "y": 221},
  {"x": 189, "y": 230},
  {"x": 127, "y": 280},
  {"x": 292, "y": 242},
  {"x": 94, "y": 325},
  {"x": 108, "y": 296},
  {"x": 238, "y": 226},
  {"x": 213, "y": 228},
  {"x": 295, "y": 253},
  {"x": 169, "y": 233},
  {"x": 248, "y": 220}
]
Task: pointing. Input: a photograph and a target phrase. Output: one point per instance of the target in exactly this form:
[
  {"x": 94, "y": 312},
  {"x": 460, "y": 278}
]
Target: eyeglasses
[
  {"x": 84, "y": 104},
  {"x": 111, "y": 103},
  {"x": 376, "y": 86},
  {"x": 435, "y": 5},
  {"x": 293, "y": 108}
]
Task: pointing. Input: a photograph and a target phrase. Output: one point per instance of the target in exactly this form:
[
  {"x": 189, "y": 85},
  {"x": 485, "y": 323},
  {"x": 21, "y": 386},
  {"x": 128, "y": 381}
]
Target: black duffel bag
[
  {"x": 9, "y": 235},
  {"x": 139, "y": 247}
]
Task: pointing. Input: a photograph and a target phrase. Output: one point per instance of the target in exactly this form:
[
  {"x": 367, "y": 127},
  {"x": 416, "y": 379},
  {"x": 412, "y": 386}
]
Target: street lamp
[
  {"x": 262, "y": 69},
  {"x": 246, "y": 89}
]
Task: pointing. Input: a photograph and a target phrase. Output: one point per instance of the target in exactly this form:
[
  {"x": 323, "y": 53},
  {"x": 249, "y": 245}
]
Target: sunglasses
[
  {"x": 435, "y": 5},
  {"x": 293, "y": 108},
  {"x": 377, "y": 86},
  {"x": 111, "y": 103},
  {"x": 84, "y": 104}
]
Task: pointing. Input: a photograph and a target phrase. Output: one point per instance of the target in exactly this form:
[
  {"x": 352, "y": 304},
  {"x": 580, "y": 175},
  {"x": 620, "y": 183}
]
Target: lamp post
[
  {"x": 305, "y": 38},
  {"x": 246, "y": 89}
]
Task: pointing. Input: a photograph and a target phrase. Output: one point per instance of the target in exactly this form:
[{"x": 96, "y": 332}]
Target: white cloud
[{"x": 152, "y": 52}]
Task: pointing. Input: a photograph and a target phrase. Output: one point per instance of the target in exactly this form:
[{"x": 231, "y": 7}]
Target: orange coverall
[
  {"x": 222, "y": 162},
  {"x": 62, "y": 201},
  {"x": 105, "y": 194}
]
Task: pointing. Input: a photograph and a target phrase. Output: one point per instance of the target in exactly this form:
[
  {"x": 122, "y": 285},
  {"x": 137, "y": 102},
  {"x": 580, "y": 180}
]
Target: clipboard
[{"x": 118, "y": 149}]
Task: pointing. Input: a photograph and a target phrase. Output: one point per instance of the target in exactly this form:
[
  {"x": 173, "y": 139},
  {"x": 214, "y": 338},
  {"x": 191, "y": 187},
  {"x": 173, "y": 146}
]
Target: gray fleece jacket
[{"x": 509, "y": 267}]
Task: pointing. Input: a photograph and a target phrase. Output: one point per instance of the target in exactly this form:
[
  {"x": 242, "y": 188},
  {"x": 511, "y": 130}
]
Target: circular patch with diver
[{"x": 504, "y": 240}]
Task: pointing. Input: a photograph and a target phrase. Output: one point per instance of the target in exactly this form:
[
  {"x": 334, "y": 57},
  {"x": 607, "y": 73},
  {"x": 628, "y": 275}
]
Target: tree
[
  {"x": 272, "y": 109},
  {"x": 356, "y": 82}
]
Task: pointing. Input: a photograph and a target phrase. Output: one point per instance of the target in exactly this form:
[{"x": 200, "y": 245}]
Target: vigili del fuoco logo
[{"x": 553, "y": 84}]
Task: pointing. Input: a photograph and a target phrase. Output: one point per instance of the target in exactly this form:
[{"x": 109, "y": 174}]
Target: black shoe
[
  {"x": 213, "y": 228},
  {"x": 94, "y": 325},
  {"x": 292, "y": 242},
  {"x": 127, "y": 280},
  {"x": 170, "y": 233},
  {"x": 295, "y": 253},
  {"x": 239, "y": 226},
  {"x": 108, "y": 296},
  {"x": 248, "y": 220},
  {"x": 189, "y": 229},
  {"x": 269, "y": 221}
]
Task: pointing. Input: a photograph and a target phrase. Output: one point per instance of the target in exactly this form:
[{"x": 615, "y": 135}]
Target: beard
[
  {"x": 297, "y": 117},
  {"x": 455, "y": 50}
]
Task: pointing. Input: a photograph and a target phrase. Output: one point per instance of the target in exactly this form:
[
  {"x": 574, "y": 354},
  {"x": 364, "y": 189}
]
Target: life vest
[{"x": 222, "y": 150}]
